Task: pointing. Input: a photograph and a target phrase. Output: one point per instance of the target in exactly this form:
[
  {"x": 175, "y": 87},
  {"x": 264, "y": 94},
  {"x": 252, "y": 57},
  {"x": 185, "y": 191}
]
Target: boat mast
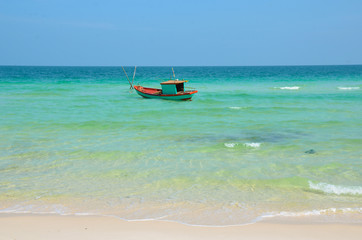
[{"x": 173, "y": 72}]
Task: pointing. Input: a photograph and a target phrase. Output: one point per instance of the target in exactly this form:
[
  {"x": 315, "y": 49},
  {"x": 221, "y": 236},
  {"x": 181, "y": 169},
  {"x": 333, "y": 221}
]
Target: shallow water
[{"x": 77, "y": 140}]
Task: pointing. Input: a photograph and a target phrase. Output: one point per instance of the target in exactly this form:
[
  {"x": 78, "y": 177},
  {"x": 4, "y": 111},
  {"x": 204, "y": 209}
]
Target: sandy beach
[{"x": 15, "y": 226}]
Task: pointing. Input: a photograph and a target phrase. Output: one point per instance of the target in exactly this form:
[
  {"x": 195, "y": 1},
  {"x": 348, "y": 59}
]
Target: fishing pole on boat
[
  {"x": 173, "y": 72},
  {"x": 131, "y": 87},
  {"x": 134, "y": 74}
]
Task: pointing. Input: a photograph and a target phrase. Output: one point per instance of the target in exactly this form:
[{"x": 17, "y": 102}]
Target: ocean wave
[
  {"x": 348, "y": 88},
  {"x": 230, "y": 145},
  {"x": 288, "y": 88},
  {"x": 253, "y": 145},
  {"x": 235, "y": 107},
  {"x": 37, "y": 209},
  {"x": 335, "y": 189},
  {"x": 316, "y": 212}
]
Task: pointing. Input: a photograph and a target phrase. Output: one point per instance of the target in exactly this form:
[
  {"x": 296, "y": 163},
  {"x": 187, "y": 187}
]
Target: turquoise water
[{"x": 254, "y": 143}]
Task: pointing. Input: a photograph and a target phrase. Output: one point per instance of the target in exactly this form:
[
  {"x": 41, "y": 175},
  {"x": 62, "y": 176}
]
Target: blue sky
[{"x": 180, "y": 32}]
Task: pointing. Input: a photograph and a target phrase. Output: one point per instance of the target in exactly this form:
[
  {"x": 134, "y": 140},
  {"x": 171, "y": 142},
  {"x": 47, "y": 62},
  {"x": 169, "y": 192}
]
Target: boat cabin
[{"x": 173, "y": 86}]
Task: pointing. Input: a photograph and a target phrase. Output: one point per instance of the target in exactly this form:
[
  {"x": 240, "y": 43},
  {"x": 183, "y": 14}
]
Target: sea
[{"x": 279, "y": 143}]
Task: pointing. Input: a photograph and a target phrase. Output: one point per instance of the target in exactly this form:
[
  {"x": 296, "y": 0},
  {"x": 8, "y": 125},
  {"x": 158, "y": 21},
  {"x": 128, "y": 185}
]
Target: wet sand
[{"x": 23, "y": 226}]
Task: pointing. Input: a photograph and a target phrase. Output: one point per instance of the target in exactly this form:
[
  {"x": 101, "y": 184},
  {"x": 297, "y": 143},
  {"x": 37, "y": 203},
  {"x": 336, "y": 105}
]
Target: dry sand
[{"x": 15, "y": 226}]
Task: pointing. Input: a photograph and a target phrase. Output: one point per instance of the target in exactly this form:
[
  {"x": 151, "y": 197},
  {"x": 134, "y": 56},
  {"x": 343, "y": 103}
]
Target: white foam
[
  {"x": 230, "y": 145},
  {"x": 235, "y": 107},
  {"x": 348, "y": 88},
  {"x": 289, "y": 88},
  {"x": 316, "y": 212},
  {"x": 335, "y": 189},
  {"x": 47, "y": 209},
  {"x": 253, "y": 145},
  {"x": 83, "y": 214}
]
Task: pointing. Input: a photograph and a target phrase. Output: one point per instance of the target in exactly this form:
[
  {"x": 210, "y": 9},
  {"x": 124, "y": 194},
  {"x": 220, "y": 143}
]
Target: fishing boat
[{"x": 172, "y": 89}]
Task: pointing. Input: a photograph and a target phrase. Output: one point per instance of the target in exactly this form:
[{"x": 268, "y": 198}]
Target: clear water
[{"x": 254, "y": 142}]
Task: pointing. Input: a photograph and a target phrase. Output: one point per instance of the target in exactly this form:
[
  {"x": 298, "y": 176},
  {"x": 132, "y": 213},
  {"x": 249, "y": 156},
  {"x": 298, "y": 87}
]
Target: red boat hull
[{"x": 157, "y": 93}]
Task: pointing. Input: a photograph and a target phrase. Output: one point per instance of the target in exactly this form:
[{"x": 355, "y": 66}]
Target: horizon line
[{"x": 292, "y": 65}]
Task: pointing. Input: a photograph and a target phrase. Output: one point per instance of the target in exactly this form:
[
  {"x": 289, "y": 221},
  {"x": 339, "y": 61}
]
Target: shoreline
[{"x": 32, "y": 226}]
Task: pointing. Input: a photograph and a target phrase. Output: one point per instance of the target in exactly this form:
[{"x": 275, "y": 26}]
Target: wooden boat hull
[{"x": 157, "y": 93}]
